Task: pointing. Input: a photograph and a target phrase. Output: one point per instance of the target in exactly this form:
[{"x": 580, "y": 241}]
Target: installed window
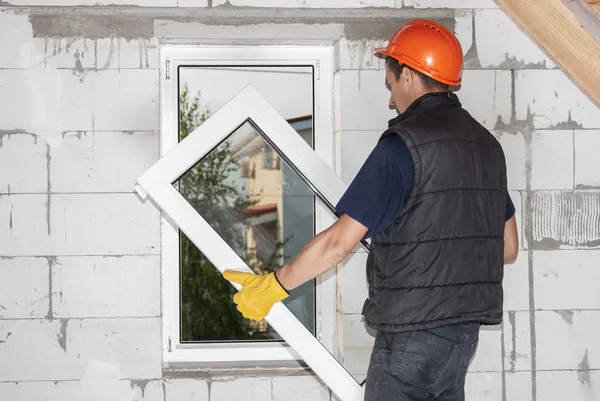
[
  {"x": 247, "y": 190},
  {"x": 249, "y": 194},
  {"x": 260, "y": 206}
]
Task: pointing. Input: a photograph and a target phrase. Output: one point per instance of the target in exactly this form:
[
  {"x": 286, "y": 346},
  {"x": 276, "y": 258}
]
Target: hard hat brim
[{"x": 382, "y": 52}]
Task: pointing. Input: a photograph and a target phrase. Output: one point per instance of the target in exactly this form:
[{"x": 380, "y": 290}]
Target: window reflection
[{"x": 256, "y": 203}]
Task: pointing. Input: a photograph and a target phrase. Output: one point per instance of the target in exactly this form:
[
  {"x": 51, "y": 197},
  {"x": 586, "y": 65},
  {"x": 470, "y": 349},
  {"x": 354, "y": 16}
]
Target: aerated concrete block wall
[{"x": 80, "y": 311}]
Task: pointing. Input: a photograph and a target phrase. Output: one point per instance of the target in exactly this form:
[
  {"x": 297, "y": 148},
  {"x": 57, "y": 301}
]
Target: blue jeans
[{"x": 425, "y": 365}]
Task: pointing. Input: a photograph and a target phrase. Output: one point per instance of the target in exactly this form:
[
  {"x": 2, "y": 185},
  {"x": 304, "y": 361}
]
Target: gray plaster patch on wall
[
  {"x": 138, "y": 22},
  {"x": 511, "y": 63},
  {"x": 48, "y": 187},
  {"x": 5, "y": 338},
  {"x": 583, "y": 374},
  {"x": 62, "y": 334},
  {"x": 141, "y": 384},
  {"x": 384, "y": 28},
  {"x": 570, "y": 218},
  {"x": 9, "y": 133},
  {"x": 471, "y": 59},
  {"x": 92, "y": 26},
  {"x": 567, "y": 315},
  {"x": 569, "y": 124},
  {"x": 51, "y": 261},
  {"x": 513, "y": 352}
]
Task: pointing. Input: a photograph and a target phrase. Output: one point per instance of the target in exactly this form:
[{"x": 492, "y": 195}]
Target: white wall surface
[{"x": 79, "y": 254}]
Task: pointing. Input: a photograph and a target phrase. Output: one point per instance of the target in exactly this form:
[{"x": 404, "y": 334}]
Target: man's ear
[{"x": 406, "y": 74}]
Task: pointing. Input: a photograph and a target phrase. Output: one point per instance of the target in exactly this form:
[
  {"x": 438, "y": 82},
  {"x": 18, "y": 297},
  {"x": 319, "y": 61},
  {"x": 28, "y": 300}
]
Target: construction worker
[{"x": 433, "y": 198}]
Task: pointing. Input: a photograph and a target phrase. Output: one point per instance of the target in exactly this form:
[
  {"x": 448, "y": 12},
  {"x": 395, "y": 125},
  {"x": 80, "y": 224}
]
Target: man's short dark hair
[{"x": 427, "y": 82}]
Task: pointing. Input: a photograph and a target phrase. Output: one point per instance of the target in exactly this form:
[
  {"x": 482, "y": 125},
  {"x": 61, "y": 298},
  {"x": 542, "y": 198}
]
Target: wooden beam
[{"x": 554, "y": 28}]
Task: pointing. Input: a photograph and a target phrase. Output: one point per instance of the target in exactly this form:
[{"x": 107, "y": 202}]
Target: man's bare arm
[
  {"x": 324, "y": 251},
  {"x": 511, "y": 240}
]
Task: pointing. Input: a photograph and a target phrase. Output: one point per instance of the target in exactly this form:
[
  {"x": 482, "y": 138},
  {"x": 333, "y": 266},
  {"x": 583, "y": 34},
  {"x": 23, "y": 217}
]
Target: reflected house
[{"x": 279, "y": 221}]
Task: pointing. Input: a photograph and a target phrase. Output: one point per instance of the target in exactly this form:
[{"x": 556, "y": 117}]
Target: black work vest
[{"x": 442, "y": 260}]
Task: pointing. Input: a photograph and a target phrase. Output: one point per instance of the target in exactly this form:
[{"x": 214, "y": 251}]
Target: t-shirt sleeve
[
  {"x": 510, "y": 207},
  {"x": 381, "y": 187}
]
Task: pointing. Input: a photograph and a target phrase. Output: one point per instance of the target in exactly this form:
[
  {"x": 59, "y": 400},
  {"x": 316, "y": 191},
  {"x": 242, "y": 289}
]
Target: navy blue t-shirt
[{"x": 382, "y": 186}]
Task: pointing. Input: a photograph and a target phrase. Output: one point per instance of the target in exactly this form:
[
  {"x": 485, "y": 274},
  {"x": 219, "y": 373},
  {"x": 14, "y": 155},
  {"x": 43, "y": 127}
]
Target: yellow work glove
[{"x": 258, "y": 295}]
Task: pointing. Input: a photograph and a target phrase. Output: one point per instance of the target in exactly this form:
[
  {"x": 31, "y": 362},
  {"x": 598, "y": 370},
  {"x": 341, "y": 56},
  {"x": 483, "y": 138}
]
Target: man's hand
[{"x": 258, "y": 295}]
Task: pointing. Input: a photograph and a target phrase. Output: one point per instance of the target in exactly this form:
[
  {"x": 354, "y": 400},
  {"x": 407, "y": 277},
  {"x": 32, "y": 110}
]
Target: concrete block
[
  {"x": 449, "y": 4},
  {"x": 587, "y": 163},
  {"x": 78, "y": 224},
  {"x": 565, "y": 219},
  {"x": 105, "y": 224},
  {"x": 552, "y": 160},
  {"x": 171, "y": 389},
  {"x": 23, "y": 162},
  {"x": 501, "y": 44},
  {"x": 354, "y": 288},
  {"x": 356, "y": 333},
  {"x": 101, "y": 382},
  {"x": 577, "y": 333},
  {"x": 356, "y": 360},
  {"x": 41, "y": 104},
  {"x": 25, "y": 225},
  {"x": 251, "y": 389},
  {"x": 464, "y": 29},
  {"x": 488, "y": 357},
  {"x": 114, "y": 348},
  {"x": 198, "y": 3},
  {"x": 123, "y": 100},
  {"x": 515, "y": 153},
  {"x": 516, "y": 284},
  {"x": 76, "y": 54},
  {"x": 15, "y": 39},
  {"x": 144, "y": 3},
  {"x": 298, "y": 388},
  {"x": 35, "y": 349},
  {"x": 355, "y": 147},
  {"x": 88, "y": 350},
  {"x": 553, "y": 101},
  {"x": 95, "y": 286},
  {"x": 53, "y": 101},
  {"x": 301, "y": 3},
  {"x": 101, "y": 161},
  {"x": 122, "y": 53},
  {"x": 24, "y": 284},
  {"x": 486, "y": 96},
  {"x": 568, "y": 385},
  {"x": 483, "y": 386},
  {"x": 518, "y": 199},
  {"x": 365, "y": 101},
  {"x": 517, "y": 341},
  {"x": 359, "y": 54},
  {"x": 518, "y": 386},
  {"x": 564, "y": 272},
  {"x": 40, "y": 391}
]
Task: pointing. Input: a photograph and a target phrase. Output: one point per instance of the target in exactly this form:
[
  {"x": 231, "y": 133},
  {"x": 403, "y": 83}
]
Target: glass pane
[
  {"x": 266, "y": 215},
  {"x": 245, "y": 191}
]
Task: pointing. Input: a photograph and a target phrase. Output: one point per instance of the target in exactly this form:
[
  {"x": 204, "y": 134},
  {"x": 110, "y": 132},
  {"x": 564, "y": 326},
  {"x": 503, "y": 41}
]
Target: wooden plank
[{"x": 554, "y": 28}]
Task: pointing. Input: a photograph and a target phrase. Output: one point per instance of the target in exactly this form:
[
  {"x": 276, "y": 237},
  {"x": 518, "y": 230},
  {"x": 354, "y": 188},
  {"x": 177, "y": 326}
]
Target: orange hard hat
[{"x": 429, "y": 48}]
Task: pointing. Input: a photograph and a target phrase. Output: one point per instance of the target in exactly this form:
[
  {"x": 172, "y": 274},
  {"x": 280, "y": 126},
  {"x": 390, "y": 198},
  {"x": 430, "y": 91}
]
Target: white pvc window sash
[{"x": 157, "y": 181}]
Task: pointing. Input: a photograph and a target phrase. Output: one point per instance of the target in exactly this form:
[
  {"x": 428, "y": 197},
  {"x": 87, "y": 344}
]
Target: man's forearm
[{"x": 319, "y": 255}]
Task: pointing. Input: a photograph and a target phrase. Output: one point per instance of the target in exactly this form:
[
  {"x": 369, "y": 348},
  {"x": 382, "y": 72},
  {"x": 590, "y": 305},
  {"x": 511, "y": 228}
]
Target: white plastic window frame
[
  {"x": 156, "y": 183},
  {"x": 243, "y": 353}
]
